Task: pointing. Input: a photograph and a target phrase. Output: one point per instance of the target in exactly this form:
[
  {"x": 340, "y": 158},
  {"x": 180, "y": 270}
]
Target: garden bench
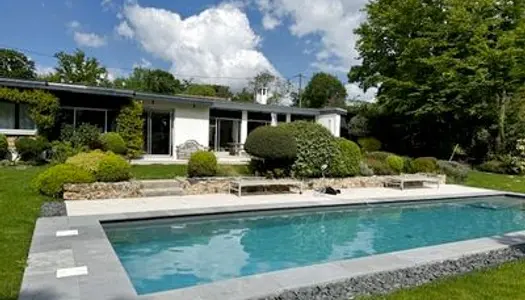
[
  {"x": 237, "y": 185},
  {"x": 401, "y": 180}
]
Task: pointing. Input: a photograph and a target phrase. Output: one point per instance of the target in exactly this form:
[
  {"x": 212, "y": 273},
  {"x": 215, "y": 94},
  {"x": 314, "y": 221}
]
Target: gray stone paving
[{"x": 107, "y": 279}]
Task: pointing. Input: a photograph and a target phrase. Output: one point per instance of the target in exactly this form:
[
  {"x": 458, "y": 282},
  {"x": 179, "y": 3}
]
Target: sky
[{"x": 221, "y": 42}]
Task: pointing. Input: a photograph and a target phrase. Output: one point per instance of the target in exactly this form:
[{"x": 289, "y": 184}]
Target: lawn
[
  {"x": 513, "y": 183},
  {"x": 19, "y": 208}
]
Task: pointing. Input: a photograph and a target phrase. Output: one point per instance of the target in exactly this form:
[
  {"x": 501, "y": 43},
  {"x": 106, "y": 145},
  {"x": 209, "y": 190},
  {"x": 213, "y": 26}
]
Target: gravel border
[
  {"x": 386, "y": 282},
  {"x": 53, "y": 209}
]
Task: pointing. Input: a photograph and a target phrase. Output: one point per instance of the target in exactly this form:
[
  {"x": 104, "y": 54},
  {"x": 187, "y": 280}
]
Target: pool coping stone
[{"x": 107, "y": 279}]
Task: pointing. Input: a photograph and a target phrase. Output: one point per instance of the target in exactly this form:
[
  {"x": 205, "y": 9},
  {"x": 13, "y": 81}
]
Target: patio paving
[{"x": 356, "y": 195}]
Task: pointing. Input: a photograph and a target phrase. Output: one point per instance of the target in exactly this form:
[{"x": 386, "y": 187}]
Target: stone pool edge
[{"x": 107, "y": 279}]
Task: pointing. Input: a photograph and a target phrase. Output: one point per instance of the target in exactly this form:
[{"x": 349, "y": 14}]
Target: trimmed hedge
[
  {"x": 4, "y": 147},
  {"x": 456, "y": 172},
  {"x": 202, "y": 164},
  {"x": 378, "y": 155},
  {"x": 316, "y": 147},
  {"x": 113, "y": 168},
  {"x": 395, "y": 163},
  {"x": 270, "y": 142},
  {"x": 88, "y": 161},
  {"x": 32, "y": 149},
  {"x": 346, "y": 160},
  {"x": 424, "y": 165},
  {"x": 113, "y": 142},
  {"x": 369, "y": 144},
  {"x": 51, "y": 182},
  {"x": 380, "y": 167}
]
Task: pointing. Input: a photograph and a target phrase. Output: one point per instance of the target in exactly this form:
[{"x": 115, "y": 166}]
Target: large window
[
  {"x": 102, "y": 118},
  {"x": 15, "y": 116}
]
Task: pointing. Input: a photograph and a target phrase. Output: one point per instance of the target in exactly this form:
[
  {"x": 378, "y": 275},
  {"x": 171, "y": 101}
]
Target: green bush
[
  {"x": 270, "y": 142},
  {"x": 61, "y": 151},
  {"x": 32, "y": 149},
  {"x": 88, "y": 161},
  {"x": 130, "y": 125},
  {"x": 346, "y": 160},
  {"x": 202, "y": 164},
  {"x": 316, "y": 147},
  {"x": 395, "y": 163},
  {"x": 379, "y": 167},
  {"x": 113, "y": 168},
  {"x": 369, "y": 144},
  {"x": 365, "y": 170},
  {"x": 407, "y": 165},
  {"x": 456, "y": 172},
  {"x": 493, "y": 166},
  {"x": 424, "y": 165},
  {"x": 4, "y": 147},
  {"x": 113, "y": 142},
  {"x": 51, "y": 182},
  {"x": 378, "y": 155},
  {"x": 85, "y": 135}
]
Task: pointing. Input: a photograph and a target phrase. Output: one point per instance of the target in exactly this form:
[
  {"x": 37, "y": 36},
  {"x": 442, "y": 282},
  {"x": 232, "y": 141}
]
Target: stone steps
[{"x": 158, "y": 192}]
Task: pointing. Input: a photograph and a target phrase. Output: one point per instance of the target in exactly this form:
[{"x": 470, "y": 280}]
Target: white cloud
[
  {"x": 270, "y": 22},
  {"x": 106, "y": 3},
  {"x": 89, "y": 39},
  {"x": 355, "y": 92},
  {"x": 144, "y": 63},
  {"x": 73, "y": 24},
  {"x": 114, "y": 73},
  {"x": 124, "y": 30},
  {"x": 44, "y": 70},
  {"x": 218, "y": 42}
]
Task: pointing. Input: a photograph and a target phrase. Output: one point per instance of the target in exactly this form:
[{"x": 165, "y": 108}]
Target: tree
[
  {"x": 244, "y": 95},
  {"x": 444, "y": 68},
  {"x": 201, "y": 90},
  {"x": 150, "y": 80},
  {"x": 324, "y": 90},
  {"x": 77, "y": 68},
  {"x": 14, "y": 64},
  {"x": 222, "y": 91},
  {"x": 277, "y": 87}
]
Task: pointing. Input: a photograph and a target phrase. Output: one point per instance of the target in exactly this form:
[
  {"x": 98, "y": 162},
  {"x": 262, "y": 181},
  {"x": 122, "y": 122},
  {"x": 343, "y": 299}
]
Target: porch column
[
  {"x": 288, "y": 118},
  {"x": 244, "y": 127},
  {"x": 274, "y": 119}
]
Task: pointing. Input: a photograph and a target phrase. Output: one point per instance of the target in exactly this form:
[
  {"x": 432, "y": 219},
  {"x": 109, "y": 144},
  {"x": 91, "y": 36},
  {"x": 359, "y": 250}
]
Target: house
[{"x": 170, "y": 121}]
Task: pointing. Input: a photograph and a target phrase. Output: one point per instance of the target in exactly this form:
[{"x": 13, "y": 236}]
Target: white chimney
[{"x": 261, "y": 96}]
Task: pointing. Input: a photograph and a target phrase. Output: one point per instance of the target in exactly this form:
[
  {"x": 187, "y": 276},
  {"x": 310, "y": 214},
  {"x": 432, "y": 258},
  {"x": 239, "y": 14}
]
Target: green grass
[
  {"x": 19, "y": 208},
  {"x": 172, "y": 171},
  {"x": 513, "y": 183}
]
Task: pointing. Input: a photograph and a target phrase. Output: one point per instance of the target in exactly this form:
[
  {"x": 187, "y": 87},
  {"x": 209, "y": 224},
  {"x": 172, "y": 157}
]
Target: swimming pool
[{"x": 166, "y": 254}]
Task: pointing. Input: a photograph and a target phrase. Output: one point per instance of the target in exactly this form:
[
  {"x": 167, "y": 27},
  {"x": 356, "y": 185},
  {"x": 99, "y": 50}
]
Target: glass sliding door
[{"x": 157, "y": 133}]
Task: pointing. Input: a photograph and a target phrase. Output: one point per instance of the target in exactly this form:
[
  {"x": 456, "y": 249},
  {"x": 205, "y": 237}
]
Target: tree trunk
[{"x": 503, "y": 100}]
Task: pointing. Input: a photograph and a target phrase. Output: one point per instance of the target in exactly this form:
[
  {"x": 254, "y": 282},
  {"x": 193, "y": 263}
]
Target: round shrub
[
  {"x": 202, "y": 164},
  {"x": 85, "y": 135},
  {"x": 456, "y": 172},
  {"x": 270, "y": 142},
  {"x": 378, "y": 155},
  {"x": 424, "y": 165},
  {"x": 316, "y": 147},
  {"x": 113, "y": 142},
  {"x": 51, "y": 182},
  {"x": 88, "y": 161},
  {"x": 113, "y": 168},
  {"x": 493, "y": 166},
  {"x": 31, "y": 149},
  {"x": 395, "y": 163},
  {"x": 365, "y": 170},
  {"x": 369, "y": 144},
  {"x": 61, "y": 151},
  {"x": 407, "y": 165},
  {"x": 346, "y": 160},
  {"x": 379, "y": 167},
  {"x": 4, "y": 147}
]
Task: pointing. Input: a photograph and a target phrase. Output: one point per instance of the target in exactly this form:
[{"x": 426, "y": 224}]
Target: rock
[{"x": 102, "y": 190}]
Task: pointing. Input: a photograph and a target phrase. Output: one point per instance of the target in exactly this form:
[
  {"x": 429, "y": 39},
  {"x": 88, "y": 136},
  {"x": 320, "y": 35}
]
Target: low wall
[
  {"x": 201, "y": 186},
  {"x": 102, "y": 190}
]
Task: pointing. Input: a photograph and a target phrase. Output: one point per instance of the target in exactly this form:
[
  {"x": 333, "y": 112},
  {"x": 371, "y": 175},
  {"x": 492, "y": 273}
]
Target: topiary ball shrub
[
  {"x": 379, "y": 167},
  {"x": 424, "y": 165},
  {"x": 407, "y": 165},
  {"x": 270, "y": 142},
  {"x": 365, "y": 170},
  {"x": 202, "y": 164},
  {"x": 316, "y": 147},
  {"x": 378, "y": 155},
  {"x": 369, "y": 144},
  {"x": 113, "y": 168},
  {"x": 88, "y": 161},
  {"x": 32, "y": 149},
  {"x": 113, "y": 142},
  {"x": 51, "y": 182},
  {"x": 456, "y": 172},
  {"x": 395, "y": 163},
  {"x": 4, "y": 147},
  {"x": 346, "y": 161}
]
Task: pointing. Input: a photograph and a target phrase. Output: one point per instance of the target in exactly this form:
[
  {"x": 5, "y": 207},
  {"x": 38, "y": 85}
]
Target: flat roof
[{"x": 124, "y": 93}]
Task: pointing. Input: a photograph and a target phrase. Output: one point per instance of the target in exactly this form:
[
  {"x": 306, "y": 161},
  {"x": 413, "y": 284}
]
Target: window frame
[
  {"x": 76, "y": 108},
  {"x": 18, "y": 131}
]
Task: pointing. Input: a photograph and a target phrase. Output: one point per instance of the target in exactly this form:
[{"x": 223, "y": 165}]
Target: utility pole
[{"x": 300, "y": 88}]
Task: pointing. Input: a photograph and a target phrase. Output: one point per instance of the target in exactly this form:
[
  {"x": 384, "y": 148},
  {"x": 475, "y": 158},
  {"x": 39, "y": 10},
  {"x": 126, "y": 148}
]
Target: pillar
[
  {"x": 288, "y": 118},
  {"x": 244, "y": 127},
  {"x": 274, "y": 119}
]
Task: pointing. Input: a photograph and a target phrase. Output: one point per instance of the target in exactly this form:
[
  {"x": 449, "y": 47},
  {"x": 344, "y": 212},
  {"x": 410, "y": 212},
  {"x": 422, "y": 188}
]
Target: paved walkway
[{"x": 357, "y": 195}]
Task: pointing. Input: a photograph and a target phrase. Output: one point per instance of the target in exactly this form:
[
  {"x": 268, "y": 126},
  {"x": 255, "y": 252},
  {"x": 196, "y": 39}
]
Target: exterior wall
[
  {"x": 191, "y": 123},
  {"x": 332, "y": 122}
]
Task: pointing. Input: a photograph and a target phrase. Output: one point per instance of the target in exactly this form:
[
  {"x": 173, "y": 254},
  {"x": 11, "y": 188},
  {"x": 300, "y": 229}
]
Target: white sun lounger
[
  {"x": 401, "y": 180},
  {"x": 237, "y": 185}
]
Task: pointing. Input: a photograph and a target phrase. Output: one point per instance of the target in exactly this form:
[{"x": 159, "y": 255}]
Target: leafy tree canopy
[
  {"x": 201, "y": 90},
  {"x": 244, "y": 95},
  {"x": 324, "y": 90},
  {"x": 150, "y": 80},
  {"x": 78, "y": 68},
  {"x": 14, "y": 64}
]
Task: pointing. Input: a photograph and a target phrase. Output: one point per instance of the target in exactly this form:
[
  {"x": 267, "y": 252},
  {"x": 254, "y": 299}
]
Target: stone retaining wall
[{"x": 102, "y": 190}]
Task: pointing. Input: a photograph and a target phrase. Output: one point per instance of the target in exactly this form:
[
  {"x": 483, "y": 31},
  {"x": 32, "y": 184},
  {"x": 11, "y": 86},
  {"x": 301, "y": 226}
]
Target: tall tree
[
  {"x": 77, "y": 68},
  {"x": 14, "y": 64},
  {"x": 277, "y": 87},
  {"x": 152, "y": 81},
  {"x": 201, "y": 90},
  {"x": 447, "y": 67},
  {"x": 245, "y": 95},
  {"x": 324, "y": 90}
]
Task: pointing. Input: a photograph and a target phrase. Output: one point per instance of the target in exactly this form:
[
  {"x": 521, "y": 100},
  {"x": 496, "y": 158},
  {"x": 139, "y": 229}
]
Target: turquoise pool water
[{"x": 168, "y": 254}]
